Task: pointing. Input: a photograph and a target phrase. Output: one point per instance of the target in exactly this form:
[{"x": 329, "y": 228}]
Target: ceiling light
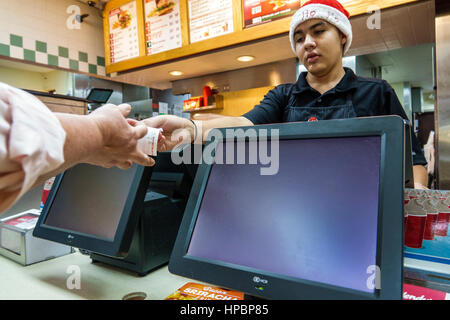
[
  {"x": 245, "y": 58},
  {"x": 176, "y": 73}
]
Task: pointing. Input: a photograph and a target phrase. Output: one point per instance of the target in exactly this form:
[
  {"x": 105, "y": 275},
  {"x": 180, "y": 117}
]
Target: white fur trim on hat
[{"x": 324, "y": 12}]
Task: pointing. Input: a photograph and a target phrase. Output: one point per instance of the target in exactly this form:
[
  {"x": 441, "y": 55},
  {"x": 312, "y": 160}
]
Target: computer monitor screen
[
  {"x": 316, "y": 219},
  {"x": 94, "y": 208},
  {"x": 99, "y": 95},
  {"x": 312, "y": 229},
  {"x": 99, "y": 205}
]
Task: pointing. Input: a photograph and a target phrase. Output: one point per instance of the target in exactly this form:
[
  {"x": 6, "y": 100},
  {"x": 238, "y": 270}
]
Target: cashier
[{"x": 320, "y": 35}]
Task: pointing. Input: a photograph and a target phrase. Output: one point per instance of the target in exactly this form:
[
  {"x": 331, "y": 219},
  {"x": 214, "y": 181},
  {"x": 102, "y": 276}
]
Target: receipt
[{"x": 149, "y": 143}]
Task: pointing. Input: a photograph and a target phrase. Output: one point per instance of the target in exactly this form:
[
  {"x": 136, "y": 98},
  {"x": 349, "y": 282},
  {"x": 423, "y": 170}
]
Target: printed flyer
[{"x": 196, "y": 291}]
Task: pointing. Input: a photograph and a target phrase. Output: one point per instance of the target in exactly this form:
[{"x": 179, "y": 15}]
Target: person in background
[
  {"x": 36, "y": 144},
  {"x": 320, "y": 35}
]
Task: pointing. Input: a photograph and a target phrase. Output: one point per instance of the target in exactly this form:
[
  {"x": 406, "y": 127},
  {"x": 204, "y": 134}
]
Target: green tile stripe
[
  {"x": 39, "y": 54},
  {"x": 15, "y": 40},
  {"x": 4, "y": 50},
  {"x": 52, "y": 60},
  {"x": 41, "y": 46},
  {"x": 29, "y": 55},
  {"x": 82, "y": 56},
  {"x": 101, "y": 61},
  {"x": 73, "y": 64},
  {"x": 63, "y": 52},
  {"x": 92, "y": 68}
]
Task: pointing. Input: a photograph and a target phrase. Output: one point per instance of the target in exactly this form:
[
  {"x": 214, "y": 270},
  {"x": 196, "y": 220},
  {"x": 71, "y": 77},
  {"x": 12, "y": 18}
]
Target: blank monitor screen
[
  {"x": 316, "y": 219},
  {"x": 91, "y": 200},
  {"x": 99, "y": 95}
]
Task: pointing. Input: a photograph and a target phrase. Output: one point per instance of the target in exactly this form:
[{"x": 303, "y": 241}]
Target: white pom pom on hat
[{"x": 331, "y": 11}]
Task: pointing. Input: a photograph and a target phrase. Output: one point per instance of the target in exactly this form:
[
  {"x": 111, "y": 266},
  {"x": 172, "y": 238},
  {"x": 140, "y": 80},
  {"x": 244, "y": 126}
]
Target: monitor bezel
[
  {"x": 117, "y": 247},
  {"x": 409, "y": 176},
  {"x": 389, "y": 257}
]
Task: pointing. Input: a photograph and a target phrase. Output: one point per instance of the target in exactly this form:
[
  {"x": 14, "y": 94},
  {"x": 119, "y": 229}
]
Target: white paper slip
[{"x": 149, "y": 143}]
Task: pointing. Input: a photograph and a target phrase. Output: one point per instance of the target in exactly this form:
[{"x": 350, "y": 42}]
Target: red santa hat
[{"x": 329, "y": 10}]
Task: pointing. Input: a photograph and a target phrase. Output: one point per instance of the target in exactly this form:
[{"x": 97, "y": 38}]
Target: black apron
[{"x": 310, "y": 112}]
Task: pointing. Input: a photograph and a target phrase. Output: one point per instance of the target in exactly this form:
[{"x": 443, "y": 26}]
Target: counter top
[
  {"x": 54, "y": 95},
  {"x": 48, "y": 280},
  {"x": 52, "y": 279}
]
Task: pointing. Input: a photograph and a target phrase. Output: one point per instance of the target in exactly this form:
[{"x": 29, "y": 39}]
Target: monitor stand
[{"x": 154, "y": 237}]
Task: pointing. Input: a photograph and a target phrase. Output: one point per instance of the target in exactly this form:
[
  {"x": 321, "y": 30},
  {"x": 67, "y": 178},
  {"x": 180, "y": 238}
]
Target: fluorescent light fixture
[{"x": 245, "y": 58}]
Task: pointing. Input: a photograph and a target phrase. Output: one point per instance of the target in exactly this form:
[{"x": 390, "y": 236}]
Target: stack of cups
[
  {"x": 405, "y": 214},
  {"x": 430, "y": 206},
  {"x": 47, "y": 187},
  {"x": 422, "y": 195},
  {"x": 412, "y": 193},
  {"x": 441, "y": 228},
  {"x": 415, "y": 223},
  {"x": 445, "y": 194}
]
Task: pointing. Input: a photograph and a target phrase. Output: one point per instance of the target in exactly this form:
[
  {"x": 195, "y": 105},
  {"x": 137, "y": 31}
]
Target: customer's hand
[
  {"x": 176, "y": 130},
  {"x": 119, "y": 138}
]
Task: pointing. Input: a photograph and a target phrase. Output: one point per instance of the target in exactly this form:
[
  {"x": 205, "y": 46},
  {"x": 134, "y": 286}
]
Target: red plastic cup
[
  {"x": 405, "y": 197},
  {"x": 47, "y": 187},
  {"x": 430, "y": 226},
  {"x": 441, "y": 228},
  {"x": 415, "y": 228}
]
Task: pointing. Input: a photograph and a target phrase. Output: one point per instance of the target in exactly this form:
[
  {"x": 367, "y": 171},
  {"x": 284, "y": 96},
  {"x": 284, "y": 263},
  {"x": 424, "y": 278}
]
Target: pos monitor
[
  {"x": 310, "y": 210},
  {"x": 95, "y": 208}
]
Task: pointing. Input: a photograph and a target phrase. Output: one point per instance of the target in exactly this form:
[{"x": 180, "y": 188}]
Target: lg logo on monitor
[{"x": 70, "y": 238}]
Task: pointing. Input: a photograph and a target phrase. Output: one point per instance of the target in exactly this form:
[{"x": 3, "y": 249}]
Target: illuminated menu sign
[
  {"x": 162, "y": 25},
  {"x": 260, "y": 11},
  {"x": 123, "y": 33},
  {"x": 209, "y": 19}
]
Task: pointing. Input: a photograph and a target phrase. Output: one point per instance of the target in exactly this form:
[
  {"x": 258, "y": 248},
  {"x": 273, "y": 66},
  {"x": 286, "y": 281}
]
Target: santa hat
[{"x": 329, "y": 10}]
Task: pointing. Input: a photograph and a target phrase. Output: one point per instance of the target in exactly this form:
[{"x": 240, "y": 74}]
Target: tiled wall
[{"x": 37, "y": 31}]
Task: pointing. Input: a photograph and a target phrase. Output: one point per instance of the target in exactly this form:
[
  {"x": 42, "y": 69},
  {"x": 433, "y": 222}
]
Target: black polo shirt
[{"x": 369, "y": 97}]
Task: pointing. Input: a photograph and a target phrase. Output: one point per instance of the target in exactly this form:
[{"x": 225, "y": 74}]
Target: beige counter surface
[{"x": 56, "y": 279}]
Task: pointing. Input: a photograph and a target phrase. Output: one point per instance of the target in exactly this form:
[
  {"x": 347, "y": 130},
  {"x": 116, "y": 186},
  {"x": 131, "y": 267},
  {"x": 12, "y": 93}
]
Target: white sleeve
[{"x": 31, "y": 142}]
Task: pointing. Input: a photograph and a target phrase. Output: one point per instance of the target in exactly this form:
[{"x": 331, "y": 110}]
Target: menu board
[
  {"x": 123, "y": 33},
  {"x": 162, "y": 25},
  {"x": 209, "y": 19},
  {"x": 260, "y": 11}
]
